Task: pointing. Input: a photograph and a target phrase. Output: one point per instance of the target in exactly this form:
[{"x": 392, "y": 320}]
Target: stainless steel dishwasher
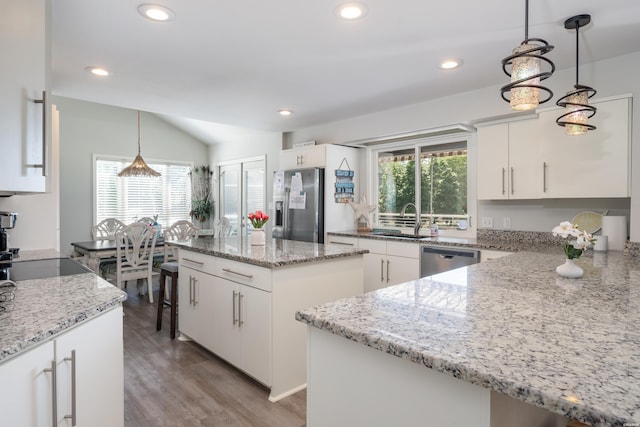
[{"x": 438, "y": 259}]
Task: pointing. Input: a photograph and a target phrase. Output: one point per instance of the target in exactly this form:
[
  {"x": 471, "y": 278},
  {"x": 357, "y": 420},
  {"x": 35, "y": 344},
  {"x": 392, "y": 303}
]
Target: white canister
[
  {"x": 615, "y": 228},
  {"x": 601, "y": 243}
]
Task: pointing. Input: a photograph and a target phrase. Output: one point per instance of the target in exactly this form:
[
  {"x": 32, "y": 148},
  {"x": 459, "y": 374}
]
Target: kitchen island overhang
[{"x": 514, "y": 327}]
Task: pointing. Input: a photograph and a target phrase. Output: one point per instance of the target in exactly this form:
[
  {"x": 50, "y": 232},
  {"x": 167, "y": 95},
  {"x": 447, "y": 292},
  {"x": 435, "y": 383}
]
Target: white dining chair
[
  {"x": 107, "y": 229},
  {"x": 135, "y": 246}
]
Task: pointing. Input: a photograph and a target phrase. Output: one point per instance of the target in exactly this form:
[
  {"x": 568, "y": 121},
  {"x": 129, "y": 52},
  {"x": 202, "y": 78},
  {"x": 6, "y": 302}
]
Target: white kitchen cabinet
[
  {"x": 508, "y": 166},
  {"x": 596, "y": 164},
  {"x": 250, "y": 321},
  {"x": 24, "y": 123},
  {"x": 346, "y": 241},
  {"x": 312, "y": 156},
  {"x": 389, "y": 263},
  {"x": 27, "y": 394}
]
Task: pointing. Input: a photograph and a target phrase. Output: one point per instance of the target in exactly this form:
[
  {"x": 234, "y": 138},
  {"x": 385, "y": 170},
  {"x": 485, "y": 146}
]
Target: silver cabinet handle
[
  {"x": 72, "y": 359},
  {"x": 190, "y": 289},
  {"x": 382, "y": 270},
  {"x": 341, "y": 243},
  {"x": 544, "y": 177},
  {"x": 503, "y": 180},
  {"x": 233, "y": 301},
  {"x": 388, "y": 271},
  {"x": 54, "y": 392},
  {"x": 195, "y": 291},
  {"x": 43, "y": 101},
  {"x": 193, "y": 261},
  {"x": 511, "y": 179},
  {"x": 240, "y": 321},
  {"x": 248, "y": 276}
]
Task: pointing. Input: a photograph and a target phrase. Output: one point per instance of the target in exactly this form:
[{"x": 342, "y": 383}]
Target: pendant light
[
  {"x": 526, "y": 71},
  {"x": 139, "y": 167},
  {"x": 576, "y": 118}
]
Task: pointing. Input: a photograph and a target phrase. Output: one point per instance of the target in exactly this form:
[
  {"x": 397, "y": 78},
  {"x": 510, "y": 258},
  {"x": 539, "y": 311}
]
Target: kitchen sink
[{"x": 402, "y": 235}]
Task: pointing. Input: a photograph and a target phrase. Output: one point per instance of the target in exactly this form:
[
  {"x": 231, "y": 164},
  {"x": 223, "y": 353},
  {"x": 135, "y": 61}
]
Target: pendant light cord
[
  {"x": 577, "y": 52},
  {"x": 138, "y": 132}
]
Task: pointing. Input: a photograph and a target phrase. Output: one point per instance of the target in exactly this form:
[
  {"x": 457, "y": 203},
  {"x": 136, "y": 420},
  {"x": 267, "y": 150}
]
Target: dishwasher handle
[{"x": 449, "y": 253}]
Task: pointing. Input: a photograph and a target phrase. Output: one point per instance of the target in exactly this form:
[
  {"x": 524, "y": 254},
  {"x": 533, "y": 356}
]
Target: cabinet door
[
  {"x": 525, "y": 168},
  {"x": 375, "y": 268},
  {"x": 592, "y": 165},
  {"x": 306, "y": 157},
  {"x": 224, "y": 320},
  {"x": 493, "y": 161},
  {"x": 23, "y": 81},
  {"x": 401, "y": 269},
  {"x": 99, "y": 372},
  {"x": 254, "y": 322},
  {"x": 26, "y": 389},
  {"x": 194, "y": 293}
]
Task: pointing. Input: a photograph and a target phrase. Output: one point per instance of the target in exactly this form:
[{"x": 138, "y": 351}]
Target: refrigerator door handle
[{"x": 285, "y": 214}]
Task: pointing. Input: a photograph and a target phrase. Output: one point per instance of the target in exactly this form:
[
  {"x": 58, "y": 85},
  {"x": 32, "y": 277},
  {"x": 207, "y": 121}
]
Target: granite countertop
[
  {"x": 275, "y": 253},
  {"x": 514, "y": 326},
  {"x": 44, "y": 308}
]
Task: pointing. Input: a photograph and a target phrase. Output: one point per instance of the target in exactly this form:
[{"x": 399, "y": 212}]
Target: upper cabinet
[
  {"x": 313, "y": 156},
  {"x": 24, "y": 124},
  {"x": 506, "y": 166},
  {"x": 535, "y": 159},
  {"x": 596, "y": 164}
]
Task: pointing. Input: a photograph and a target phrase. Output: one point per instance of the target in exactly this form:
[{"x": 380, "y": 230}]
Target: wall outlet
[
  {"x": 506, "y": 222},
  {"x": 487, "y": 222}
]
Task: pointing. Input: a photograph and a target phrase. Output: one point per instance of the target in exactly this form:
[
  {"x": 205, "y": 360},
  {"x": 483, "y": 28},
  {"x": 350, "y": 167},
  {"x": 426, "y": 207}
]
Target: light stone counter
[
  {"x": 275, "y": 253},
  {"x": 44, "y": 308},
  {"x": 513, "y": 326}
]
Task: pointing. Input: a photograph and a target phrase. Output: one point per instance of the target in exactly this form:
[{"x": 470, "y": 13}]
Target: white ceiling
[{"x": 234, "y": 63}]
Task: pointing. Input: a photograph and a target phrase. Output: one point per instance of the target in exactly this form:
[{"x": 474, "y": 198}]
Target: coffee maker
[{"x": 7, "y": 222}]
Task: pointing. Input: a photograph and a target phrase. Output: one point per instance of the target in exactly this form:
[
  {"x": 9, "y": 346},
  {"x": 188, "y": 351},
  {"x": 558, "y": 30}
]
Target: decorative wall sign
[{"x": 344, "y": 183}]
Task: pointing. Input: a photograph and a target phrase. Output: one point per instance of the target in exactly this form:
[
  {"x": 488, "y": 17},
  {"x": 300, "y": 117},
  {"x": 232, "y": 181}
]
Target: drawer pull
[
  {"x": 193, "y": 261},
  {"x": 248, "y": 276},
  {"x": 341, "y": 243}
]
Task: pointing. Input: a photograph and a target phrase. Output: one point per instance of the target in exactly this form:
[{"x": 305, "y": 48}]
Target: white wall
[
  {"x": 612, "y": 77},
  {"x": 88, "y": 128}
]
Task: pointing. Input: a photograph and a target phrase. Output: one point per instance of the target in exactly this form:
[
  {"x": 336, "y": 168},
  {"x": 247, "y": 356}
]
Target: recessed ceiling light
[
  {"x": 98, "y": 71},
  {"x": 351, "y": 11},
  {"x": 285, "y": 112},
  {"x": 156, "y": 12},
  {"x": 450, "y": 64}
]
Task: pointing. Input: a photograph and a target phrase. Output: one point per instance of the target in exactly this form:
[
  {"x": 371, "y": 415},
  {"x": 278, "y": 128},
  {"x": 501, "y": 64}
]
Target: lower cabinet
[
  {"x": 389, "y": 263},
  {"x": 229, "y": 318},
  {"x": 85, "y": 364}
]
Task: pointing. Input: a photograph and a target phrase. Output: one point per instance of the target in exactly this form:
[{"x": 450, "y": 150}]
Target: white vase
[
  {"x": 569, "y": 269},
  {"x": 257, "y": 237}
]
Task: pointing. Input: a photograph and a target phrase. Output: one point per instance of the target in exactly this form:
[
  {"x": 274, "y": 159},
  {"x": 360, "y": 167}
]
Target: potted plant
[{"x": 201, "y": 199}]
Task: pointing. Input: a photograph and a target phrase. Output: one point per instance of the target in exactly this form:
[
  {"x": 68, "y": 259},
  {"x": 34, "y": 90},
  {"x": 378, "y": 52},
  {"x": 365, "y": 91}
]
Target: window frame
[
  {"x": 127, "y": 160},
  {"x": 417, "y": 144}
]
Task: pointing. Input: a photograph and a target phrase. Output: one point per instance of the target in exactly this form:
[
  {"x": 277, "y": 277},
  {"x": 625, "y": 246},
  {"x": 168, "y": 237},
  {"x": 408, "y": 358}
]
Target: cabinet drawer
[
  {"x": 373, "y": 245},
  {"x": 197, "y": 261},
  {"x": 407, "y": 250},
  {"x": 246, "y": 274},
  {"x": 343, "y": 241}
]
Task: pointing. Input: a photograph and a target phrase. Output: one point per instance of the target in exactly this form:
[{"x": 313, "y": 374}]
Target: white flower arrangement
[{"x": 577, "y": 241}]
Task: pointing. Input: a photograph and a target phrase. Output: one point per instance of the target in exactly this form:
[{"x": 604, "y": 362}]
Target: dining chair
[
  {"x": 146, "y": 220},
  {"x": 222, "y": 227},
  {"x": 180, "y": 230},
  {"x": 135, "y": 245},
  {"x": 106, "y": 230}
]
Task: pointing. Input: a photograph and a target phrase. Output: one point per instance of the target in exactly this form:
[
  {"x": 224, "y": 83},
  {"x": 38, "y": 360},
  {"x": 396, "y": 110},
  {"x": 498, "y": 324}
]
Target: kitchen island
[
  {"x": 239, "y": 301},
  {"x": 448, "y": 349},
  {"x": 60, "y": 340}
]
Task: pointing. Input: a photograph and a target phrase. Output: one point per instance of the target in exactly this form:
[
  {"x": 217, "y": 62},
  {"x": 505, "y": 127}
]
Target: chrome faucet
[{"x": 418, "y": 224}]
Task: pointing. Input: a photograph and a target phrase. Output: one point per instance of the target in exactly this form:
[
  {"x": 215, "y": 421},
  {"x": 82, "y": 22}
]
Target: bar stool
[{"x": 168, "y": 269}]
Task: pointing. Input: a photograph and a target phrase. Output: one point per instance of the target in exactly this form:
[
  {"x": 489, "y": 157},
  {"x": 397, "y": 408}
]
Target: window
[
  {"x": 242, "y": 190},
  {"x": 437, "y": 183},
  {"x": 127, "y": 199}
]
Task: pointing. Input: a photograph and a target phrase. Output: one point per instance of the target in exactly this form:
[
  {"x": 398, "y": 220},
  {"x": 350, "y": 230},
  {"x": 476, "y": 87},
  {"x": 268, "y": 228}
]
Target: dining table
[{"x": 95, "y": 251}]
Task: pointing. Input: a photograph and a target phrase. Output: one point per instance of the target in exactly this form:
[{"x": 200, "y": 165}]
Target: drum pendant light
[
  {"x": 526, "y": 71},
  {"x": 139, "y": 167},
  {"x": 576, "y": 102}
]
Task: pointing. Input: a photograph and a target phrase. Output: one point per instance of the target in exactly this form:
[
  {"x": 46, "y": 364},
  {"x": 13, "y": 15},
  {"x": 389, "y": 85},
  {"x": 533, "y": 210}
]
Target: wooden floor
[{"x": 178, "y": 383}]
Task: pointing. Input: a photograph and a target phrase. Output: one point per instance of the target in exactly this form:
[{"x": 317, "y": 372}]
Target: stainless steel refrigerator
[{"x": 298, "y": 197}]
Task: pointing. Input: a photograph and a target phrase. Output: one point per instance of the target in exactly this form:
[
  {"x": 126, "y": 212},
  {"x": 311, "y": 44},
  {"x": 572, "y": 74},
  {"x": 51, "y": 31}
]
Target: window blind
[{"x": 128, "y": 199}]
